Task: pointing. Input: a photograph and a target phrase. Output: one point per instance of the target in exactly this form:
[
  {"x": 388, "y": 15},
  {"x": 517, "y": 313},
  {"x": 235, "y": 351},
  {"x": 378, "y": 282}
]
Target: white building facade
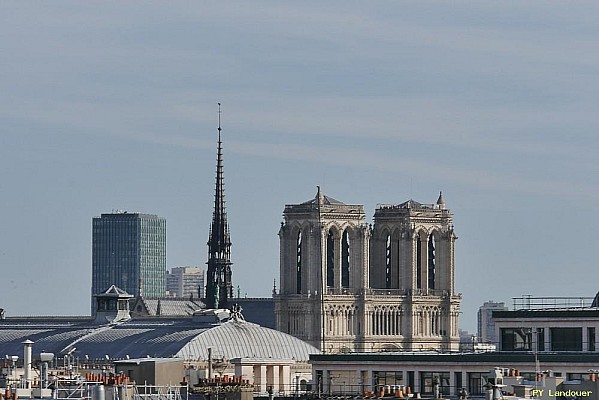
[
  {"x": 565, "y": 330},
  {"x": 544, "y": 338},
  {"x": 185, "y": 282},
  {"x": 369, "y": 373},
  {"x": 486, "y": 323}
]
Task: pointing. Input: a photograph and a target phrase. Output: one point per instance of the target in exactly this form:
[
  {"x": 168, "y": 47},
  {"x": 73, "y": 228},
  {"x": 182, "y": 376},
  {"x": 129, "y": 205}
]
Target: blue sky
[{"x": 112, "y": 105}]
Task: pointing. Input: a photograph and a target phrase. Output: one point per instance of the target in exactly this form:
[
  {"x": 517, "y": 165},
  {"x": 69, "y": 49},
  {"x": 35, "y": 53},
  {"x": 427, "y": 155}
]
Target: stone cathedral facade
[{"x": 346, "y": 286}]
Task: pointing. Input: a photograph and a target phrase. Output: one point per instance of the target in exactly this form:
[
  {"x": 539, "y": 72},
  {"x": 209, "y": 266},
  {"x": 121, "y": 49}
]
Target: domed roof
[
  {"x": 185, "y": 337},
  {"x": 236, "y": 338}
]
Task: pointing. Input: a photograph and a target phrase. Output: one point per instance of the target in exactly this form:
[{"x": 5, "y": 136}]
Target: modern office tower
[
  {"x": 219, "y": 288},
  {"x": 185, "y": 282},
  {"x": 129, "y": 251},
  {"x": 486, "y": 324}
]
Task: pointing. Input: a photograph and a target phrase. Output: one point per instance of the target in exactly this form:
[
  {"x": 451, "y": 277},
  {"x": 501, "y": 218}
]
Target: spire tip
[{"x": 219, "y": 113}]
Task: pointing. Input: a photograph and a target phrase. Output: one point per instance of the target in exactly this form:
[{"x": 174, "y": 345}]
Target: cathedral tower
[
  {"x": 413, "y": 247},
  {"x": 413, "y": 255},
  {"x": 324, "y": 248},
  {"x": 347, "y": 287},
  {"x": 219, "y": 288}
]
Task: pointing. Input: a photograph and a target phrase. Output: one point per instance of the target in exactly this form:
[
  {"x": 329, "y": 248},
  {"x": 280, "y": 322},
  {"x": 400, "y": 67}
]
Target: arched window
[
  {"x": 330, "y": 259},
  {"x": 431, "y": 262},
  {"x": 418, "y": 262},
  {"x": 388, "y": 263},
  {"x": 345, "y": 260},
  {"x": 299, "y": 263}
]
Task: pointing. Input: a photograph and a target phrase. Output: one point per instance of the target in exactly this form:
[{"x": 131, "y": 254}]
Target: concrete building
[
  {"x": 185, "y": 282},
  {"x": 346, "y": 287},
  {"x": 152, "y": 371},
  {"x": 486, "y": 324},
  {"x": 129, "y": 251},
  {"x": 542, "y": 338},
  {"x": 549, "y": 324},
  {"x": 355, "y": 374}
]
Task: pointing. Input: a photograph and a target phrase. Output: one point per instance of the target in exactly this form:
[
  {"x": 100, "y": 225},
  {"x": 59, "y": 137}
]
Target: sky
[{"x": 113, "y": 105}]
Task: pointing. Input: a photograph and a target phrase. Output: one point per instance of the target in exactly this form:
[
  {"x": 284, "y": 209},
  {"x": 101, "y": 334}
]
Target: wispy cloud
[{"x": 354, "y": 119}]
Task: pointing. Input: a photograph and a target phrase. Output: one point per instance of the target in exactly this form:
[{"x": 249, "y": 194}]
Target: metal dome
[
  {"x": 188, "y": 338},
  {"x": 243, "y": 339}
]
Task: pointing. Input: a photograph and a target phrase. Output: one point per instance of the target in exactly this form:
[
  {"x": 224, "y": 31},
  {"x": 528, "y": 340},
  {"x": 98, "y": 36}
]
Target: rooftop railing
[{"x": 527, "y": 302}]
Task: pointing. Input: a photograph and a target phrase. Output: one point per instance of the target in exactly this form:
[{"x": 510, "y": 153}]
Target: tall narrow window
[
  {"x": 431, "y": 262},
  {"x": 418, "y": 262},
  {"x": 373, "y": 320},
  {"x": 345, "y": 260},
  {"x": 540, "y": 339},
  {"x": 350, "y": 323},
  {"x": 591, "y": 338},
  {"x": 388, "y": 263},
  {"x": 299, "y": 263},
  {"x": 330, "y": 260}
]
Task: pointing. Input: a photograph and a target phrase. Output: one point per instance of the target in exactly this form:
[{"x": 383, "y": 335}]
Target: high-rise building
[
  {"x": 219, "y": 288},
  {"x": 129, "y": 251},
  {"x": 486, "y": 324},
  {"x": 185, "y": 282},
  {"x": 345, "y": 286}
]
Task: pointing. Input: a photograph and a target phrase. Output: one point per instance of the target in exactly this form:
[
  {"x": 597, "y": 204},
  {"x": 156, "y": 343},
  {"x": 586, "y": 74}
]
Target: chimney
[{"x": 27, "y": 362}]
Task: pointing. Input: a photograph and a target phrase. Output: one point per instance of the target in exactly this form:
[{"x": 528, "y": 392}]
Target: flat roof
[
  {"x": 495, "y": 356},
  {"x": 156, "y": 360},
  {"x": 545, "y": 313}
]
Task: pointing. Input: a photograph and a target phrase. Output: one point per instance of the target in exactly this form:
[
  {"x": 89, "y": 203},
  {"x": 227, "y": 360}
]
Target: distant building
[
  {"x": 547, "y": 341},
  {"x": 486, "y": 324},
  {"x": 129, "y": 251},
  {"x": 471, "y": 343},
  {"x": 549, "y": 324},
  {"x": 185, "y": 282},
  {"x": 350, "y": 287},
  {"x": 258, "y": 310},
  {"x": 144, "y": 306},
  {"x": 352, "y": 374}
]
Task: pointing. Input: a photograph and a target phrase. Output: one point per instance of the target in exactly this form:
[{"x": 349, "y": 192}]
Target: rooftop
[
  {"x": 185, "y": 337},
  {"x": 502, "y": 357},
  {"x": 528, "y": 302}
]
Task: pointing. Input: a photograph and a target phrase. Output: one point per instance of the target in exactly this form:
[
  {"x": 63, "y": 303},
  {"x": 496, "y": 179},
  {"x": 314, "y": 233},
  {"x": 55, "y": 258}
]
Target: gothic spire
[
  {"x": 219, "y": 230},
  {"x": 218, "y": 286}
]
